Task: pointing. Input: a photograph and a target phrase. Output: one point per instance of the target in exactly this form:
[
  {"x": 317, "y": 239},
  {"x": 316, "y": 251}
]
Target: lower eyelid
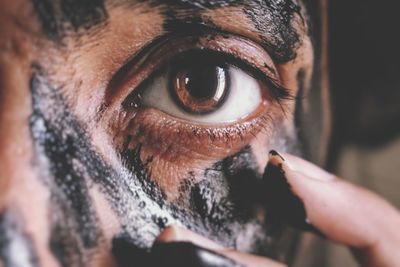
[{"x": 152, "y": 128}]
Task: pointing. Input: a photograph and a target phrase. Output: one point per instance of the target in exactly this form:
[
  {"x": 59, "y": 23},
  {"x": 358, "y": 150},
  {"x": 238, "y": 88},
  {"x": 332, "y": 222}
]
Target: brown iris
[{"x": 199, "y": 89}]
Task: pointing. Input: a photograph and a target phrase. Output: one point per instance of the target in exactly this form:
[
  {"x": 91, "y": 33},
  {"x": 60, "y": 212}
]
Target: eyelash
[{"x": 278, "y": 92}]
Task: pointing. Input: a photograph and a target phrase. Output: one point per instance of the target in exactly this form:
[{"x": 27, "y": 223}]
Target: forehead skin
[{"x": 58, "y": 56}]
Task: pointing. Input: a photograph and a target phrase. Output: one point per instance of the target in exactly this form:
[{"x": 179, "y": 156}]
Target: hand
[{"x": 344, "y": 213}]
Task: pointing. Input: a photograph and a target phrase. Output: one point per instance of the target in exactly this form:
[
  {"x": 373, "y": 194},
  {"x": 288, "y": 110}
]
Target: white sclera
[{"x": 243, "y": 98}]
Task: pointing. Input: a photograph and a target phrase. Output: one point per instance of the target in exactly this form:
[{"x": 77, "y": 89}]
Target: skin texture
[{"x": 82, "y": 174}]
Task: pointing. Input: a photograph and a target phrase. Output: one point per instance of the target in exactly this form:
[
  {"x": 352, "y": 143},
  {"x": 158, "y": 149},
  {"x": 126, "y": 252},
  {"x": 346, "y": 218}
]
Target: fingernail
[
  {"x": 281, "y": 202},
  {"x": 183, "y": 254},
  {"x": 275, "y": 158}
]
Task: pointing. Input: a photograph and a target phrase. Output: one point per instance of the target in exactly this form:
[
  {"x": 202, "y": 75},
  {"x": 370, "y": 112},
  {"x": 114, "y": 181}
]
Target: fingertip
[
  {"x": 174, "y": 233},
  {"x": 169, "y": 234}
]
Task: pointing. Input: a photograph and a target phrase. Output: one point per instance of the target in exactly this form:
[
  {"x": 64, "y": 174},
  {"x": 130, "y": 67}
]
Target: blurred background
[
  {"x": 365, "y": 90},
  {"x": 364, "y": 70}
]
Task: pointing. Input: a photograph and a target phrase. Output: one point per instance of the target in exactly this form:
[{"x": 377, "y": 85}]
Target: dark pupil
[
  {"x": 202, "y": 83},
  {"x": 199, "y": 89}
]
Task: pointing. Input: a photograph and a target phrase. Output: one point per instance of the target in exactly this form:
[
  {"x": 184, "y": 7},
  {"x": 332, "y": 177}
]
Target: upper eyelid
[
  {"x": 159, "y": 41},
  {"x": 123, "y": 82},
  {"x": 281, "y": 92}
]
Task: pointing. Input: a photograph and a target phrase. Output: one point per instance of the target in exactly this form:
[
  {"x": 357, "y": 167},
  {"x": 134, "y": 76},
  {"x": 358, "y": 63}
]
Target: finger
[
  {"x": 204, "y": 252},
  {"x": 312, "y": 198}
]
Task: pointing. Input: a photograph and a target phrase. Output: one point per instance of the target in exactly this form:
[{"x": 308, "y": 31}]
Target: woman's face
[{"x": 121, "y": 117}]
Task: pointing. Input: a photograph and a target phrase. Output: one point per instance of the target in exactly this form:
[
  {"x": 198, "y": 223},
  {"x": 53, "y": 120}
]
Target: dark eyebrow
[
  {"x": 272, "y": 20},
  {"x": 224, "y": 3},
  {"x": 57, "y": 17}
]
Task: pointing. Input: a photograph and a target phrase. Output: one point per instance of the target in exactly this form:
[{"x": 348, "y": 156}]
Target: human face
[{"x": 121, "y": 117}]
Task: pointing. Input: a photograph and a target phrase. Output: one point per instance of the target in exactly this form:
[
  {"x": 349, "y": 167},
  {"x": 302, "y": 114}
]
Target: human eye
[
  {"x": 206, "y": 88},
  {"x": 190, "y": 101},
  {"x": 208, "y": 82}
]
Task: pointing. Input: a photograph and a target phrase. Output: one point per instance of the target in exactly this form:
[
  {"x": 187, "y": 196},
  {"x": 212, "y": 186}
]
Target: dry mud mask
[{"x": 277, "y": 201}]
